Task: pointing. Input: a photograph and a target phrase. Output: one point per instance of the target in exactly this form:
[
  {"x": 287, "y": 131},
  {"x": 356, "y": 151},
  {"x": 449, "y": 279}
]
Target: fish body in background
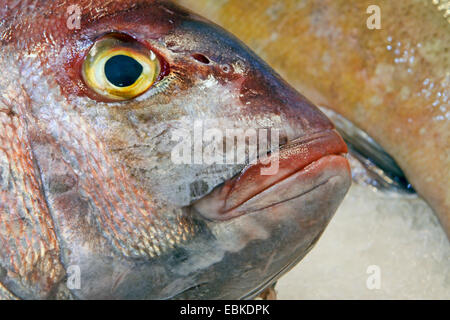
[
  {"x": 392, "y": 82},
  {"x": 95, "y": 98}
]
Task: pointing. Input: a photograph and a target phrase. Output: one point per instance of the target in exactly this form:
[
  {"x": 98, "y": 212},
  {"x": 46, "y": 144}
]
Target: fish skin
[
  {"x": 90, "y": 183},
  {"x": 325, "y": 50}
]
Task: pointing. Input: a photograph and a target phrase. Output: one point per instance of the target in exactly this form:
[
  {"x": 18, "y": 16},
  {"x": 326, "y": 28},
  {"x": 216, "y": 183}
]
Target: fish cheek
[
  {"x": 143, "y": 135},
  {"x": 82, "y": 240}
]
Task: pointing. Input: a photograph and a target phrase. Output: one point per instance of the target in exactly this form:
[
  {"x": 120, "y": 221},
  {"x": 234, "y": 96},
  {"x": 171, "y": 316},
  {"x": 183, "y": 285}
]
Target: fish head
[{"x": 207, "y": 177}]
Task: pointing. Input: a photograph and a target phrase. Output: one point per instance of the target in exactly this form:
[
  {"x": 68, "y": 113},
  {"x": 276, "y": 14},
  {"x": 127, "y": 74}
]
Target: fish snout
[{"x": 305, "y": 170}]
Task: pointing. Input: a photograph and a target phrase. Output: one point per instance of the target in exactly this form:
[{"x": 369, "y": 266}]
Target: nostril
[
  {"x": 226, "y": 68},
  {"x": 201, "y": 58}
]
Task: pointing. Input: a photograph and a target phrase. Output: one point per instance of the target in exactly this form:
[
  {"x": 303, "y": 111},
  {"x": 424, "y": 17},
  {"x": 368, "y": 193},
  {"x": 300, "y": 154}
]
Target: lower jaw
[{"x": 274, "y": 238}]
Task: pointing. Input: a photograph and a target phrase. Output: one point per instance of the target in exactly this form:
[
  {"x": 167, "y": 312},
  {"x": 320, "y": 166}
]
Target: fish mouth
[{"x": 301, "y": 166}]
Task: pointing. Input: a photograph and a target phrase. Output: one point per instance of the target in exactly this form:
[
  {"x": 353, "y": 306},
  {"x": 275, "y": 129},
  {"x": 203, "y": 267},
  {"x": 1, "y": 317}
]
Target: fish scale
[{"x": 33, "y": 250}]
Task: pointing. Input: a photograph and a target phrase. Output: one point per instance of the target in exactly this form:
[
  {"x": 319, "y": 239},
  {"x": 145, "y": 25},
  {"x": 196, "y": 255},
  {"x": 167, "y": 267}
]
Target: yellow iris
[{"x": 120, "y": 70}]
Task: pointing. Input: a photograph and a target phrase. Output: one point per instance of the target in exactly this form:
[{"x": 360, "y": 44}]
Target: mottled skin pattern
[
  {"x": 89, "y": 183},
  {"x": 394, "y": 82}
]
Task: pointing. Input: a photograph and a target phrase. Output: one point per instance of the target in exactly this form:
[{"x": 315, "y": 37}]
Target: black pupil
[{"x": 122, "y": 71}]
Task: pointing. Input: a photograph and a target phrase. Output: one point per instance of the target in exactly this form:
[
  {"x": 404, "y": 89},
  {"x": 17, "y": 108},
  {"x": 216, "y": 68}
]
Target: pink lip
[{"x": 304, "y": 164}]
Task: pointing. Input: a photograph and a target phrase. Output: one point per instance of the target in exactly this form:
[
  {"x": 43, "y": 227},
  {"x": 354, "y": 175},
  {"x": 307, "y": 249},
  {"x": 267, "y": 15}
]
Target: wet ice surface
[{"x": 398, "y": 233}]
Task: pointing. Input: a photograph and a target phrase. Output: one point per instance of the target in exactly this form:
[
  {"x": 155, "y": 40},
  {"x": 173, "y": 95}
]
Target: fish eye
[{"x": 120, "y": 68}]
